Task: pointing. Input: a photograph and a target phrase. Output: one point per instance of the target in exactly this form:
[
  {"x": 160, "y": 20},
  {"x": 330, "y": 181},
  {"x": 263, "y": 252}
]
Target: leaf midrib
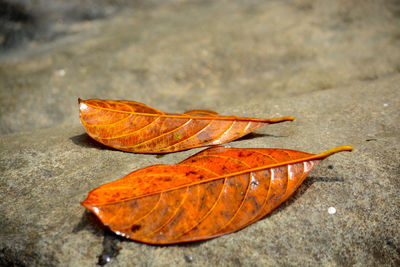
[
  {"x": 184, "y": 116},
  {"x": 313, "y": 157}
]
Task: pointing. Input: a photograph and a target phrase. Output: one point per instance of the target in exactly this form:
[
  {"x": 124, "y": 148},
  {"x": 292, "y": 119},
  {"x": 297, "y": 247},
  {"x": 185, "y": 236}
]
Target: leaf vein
[
  {"x": 208, "y": 212},
  {"x": 218, "y": 140},
  {"x": 173, "y": 214},
  {"x": 241, "y": 204},
  {"x": 131, "y": 133},
  {"x": 161, "y": 135},
  {"x": 192, "y": 136}
]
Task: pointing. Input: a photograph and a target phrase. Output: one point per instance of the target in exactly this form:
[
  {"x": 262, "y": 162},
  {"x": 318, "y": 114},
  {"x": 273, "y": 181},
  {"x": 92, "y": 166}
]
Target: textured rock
[
  {"x": 46, "y": 173},
  {"x": 332, "y": 65}
]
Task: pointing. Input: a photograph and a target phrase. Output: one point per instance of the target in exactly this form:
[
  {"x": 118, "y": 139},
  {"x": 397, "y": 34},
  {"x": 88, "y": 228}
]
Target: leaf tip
[
  {"x": 335, "y": 150},
  {"x": 289, "y": 118},
  {"x": 277, "y": 120},
  {"x": 85, "y": 204},
  {"x": 345, "y": 148},
  {"x": 82, "y": 105},
  {"x": 92, "y": 208}
]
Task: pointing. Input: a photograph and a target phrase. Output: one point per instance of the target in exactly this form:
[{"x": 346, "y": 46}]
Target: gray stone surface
[{"x": 334, "y": 65}]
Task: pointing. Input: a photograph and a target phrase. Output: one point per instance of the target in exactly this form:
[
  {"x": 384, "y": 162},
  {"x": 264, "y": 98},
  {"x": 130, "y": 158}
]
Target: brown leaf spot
[{"x": 135, "y": 227}]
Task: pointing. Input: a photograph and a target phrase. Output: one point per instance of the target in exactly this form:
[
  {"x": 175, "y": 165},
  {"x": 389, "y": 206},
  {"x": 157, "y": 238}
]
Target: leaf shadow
[
  {"x": 308, "y": 182},
  {"x": 84, "y": 140},
  {"x": 111, "y": 247},
  {"x": 254, "y": 135},
  {"x": 111, "y": 241},
  {"x": 91, "y": 223}
]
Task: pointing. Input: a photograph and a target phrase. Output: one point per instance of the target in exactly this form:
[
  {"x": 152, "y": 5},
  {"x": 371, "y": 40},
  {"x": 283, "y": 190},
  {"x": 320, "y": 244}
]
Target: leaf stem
[
  {"x": 334, "y": 150},
  {"x": 276, "y": 120}
]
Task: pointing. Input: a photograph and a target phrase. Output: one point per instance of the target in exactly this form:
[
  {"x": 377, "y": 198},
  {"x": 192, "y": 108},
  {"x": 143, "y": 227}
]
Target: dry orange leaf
[
  {"x": 135, "y": 127},
  {"x": 217, "y": 191}
]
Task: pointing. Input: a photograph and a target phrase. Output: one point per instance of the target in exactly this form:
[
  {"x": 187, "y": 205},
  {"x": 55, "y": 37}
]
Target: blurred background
[
  {"x": 177, "y": 55},
  {"x": 23, "y": 21}
]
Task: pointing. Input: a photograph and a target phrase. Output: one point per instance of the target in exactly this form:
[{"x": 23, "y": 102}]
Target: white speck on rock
[
  {"x": 385, "y": 105},
  {"x": 331, "y": 210},
  {"x": 61, "y": 72}
]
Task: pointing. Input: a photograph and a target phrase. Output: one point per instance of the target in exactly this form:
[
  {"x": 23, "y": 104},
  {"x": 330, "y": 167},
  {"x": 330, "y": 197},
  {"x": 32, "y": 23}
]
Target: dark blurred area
[{"x": 22, "y": 21}]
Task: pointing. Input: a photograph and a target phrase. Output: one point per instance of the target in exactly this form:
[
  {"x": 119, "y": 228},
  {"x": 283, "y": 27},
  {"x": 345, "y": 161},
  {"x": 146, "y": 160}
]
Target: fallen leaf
[
  {"x": 135, "y": 127},
  {"x": 217, "y": 191}
]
